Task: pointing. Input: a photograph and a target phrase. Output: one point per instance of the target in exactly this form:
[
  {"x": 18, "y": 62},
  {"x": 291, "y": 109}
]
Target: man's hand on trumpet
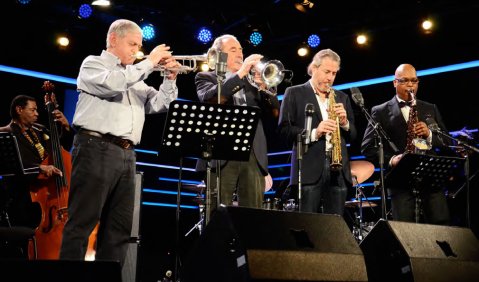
[
  {"x": 248, "y": 63},
  {"x": 161, "y": 55}
]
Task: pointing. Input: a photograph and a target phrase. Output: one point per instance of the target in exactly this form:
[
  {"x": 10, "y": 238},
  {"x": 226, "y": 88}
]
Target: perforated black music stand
[
  {"x": 208, "y": 131},
  {"x": 11, "y": 163},
  {"x": 423, "y": 173}
]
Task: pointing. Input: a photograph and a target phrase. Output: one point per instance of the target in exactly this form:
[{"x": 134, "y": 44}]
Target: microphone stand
[
  {"x": 220, "y": 67},
  {"x": 380, "y": 134},
  {"x": 300, "y": 150},
  {"x": 466, "y": 168}
]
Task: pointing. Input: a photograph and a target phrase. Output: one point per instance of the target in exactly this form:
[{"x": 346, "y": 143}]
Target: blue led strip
[
  {"x": 176, "y": 180},
  {"x": 150, "y": 190},
  {"x": 37, "y": 74},
  {"x": 165, "y": 166},
  {"x": 169, "y": 205}
]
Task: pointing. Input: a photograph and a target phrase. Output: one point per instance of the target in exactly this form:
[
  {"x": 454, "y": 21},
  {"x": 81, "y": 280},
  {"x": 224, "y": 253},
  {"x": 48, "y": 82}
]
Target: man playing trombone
[
  {"x": 245, "y": 178},
  {"x": 109, "y": 119}
]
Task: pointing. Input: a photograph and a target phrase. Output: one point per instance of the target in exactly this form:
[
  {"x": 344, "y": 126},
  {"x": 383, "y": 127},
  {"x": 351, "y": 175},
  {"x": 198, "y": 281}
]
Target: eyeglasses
[{"x": 404, "y": 81}]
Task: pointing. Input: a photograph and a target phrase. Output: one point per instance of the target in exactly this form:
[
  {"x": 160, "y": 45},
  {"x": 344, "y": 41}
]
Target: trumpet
[
  {"x": 188, "y": 63},
  {"x": 271, "y": 74}
]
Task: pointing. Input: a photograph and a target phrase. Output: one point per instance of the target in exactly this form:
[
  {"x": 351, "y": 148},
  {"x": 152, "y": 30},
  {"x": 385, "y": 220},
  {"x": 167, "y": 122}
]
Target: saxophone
[
  {"x": 336, "y": 158},
  {"x": 414, "y": 143}
]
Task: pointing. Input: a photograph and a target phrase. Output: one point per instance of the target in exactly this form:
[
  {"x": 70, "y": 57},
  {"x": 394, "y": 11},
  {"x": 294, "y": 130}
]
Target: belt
[{"x": 123, "y": 143}]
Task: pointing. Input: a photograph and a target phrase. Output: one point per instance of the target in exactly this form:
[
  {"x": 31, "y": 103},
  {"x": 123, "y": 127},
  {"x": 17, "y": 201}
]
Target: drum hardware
[
  {"x": 360, "y": 172},
  {"x": 290, "y": 205},
  {"x": 200, "y": 200},
  {"x": 272, "y": 204}
]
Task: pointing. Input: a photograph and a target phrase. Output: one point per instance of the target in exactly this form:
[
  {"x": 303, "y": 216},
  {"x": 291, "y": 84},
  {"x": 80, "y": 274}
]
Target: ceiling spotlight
[
  {"x": 101, "y": 3},
  {"x": 84, "y": 11},
  {"x": 255, "y": 38},
  {"x": 148, "y": 32},
  {"x": 63, "y": 41},
  {"x": 205, "y": 35},
  {"x": 314, "y": 40},
  {"x": 361, "y": 39},
  {"x": 303, "y": 51},
  {"x": 304, "y": 6},
  {"x": 427, "y": 26},
  {"x": 24, "y": 2}
]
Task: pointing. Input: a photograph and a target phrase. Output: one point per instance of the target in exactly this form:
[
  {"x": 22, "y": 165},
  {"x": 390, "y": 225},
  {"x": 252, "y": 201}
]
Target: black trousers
[
  {"x": 243, "y": 178},
  {"x": 102, "y": 189},
  {"x": 432, "y": 206},
  {"x": 328, "y": 195}
]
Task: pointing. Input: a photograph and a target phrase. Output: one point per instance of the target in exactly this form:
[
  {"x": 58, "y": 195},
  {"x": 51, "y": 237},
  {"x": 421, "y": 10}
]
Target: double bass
[{"x": 51, "y": 193}]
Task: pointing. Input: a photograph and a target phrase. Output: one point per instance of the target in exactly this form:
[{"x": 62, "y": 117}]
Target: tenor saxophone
[{"x": 336, "y": 158}]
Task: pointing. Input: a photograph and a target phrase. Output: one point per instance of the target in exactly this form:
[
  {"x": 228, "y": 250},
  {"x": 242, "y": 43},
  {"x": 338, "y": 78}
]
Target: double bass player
[{"x": 35, "y": 147}]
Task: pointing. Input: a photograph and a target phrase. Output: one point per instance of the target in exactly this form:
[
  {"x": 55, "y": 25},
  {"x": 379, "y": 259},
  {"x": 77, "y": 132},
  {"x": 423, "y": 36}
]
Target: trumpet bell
[{"x": 271, "y": 74}]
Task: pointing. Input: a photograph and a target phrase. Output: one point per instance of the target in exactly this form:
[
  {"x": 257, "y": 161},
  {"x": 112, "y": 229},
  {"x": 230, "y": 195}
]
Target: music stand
[
  {"x": 209, "y": 131},
  {"x": 11, "y": 163},
  {"x": 423, "y": 173}
]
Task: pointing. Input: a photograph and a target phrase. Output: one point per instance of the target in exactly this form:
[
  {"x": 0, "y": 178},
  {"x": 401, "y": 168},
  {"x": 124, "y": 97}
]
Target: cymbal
[
  {"x": 355, "y": 203},
  {"x": 198, "y": 188},
  {"x": 362, "y": 170}
]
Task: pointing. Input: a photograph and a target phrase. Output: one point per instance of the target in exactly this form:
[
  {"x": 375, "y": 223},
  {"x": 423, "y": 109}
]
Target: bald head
[{"x": 405, "y": 70}]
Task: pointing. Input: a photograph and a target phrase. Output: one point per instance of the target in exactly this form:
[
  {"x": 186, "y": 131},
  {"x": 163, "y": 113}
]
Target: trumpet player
[
  {"x": 324, "y": 181},
  {"x": 246, "y": 178},
  {"x": 108, "y": 119}
]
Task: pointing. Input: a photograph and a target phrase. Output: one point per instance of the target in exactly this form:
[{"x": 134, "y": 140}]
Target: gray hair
[
  {"x": 318, "y": 58},
  {"x": 121, "y": 28},
  {"x": 218, "y": 43}
]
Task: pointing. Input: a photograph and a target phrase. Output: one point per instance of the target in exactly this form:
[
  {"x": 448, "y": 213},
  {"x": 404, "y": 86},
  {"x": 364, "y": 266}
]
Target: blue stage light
[
  {"x": 255, "y": 38},
  {"x": 24, "y": 2},
  {"x": 148, "y": 32},
  {"x": 204, "y": 35},
  {"x": 314, "y": 41},
  {"x": 85, "y": 11}
]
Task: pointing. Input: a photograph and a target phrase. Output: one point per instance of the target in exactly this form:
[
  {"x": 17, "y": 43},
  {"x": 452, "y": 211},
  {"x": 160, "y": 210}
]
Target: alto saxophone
[{"x": 336, "y": 158}]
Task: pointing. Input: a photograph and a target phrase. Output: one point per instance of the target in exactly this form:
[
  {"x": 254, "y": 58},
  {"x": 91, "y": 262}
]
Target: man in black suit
[
  {"x": 322, "y": 189},
  {"x": 393, "y": 117},
  {"x": 245, "y": 178}
]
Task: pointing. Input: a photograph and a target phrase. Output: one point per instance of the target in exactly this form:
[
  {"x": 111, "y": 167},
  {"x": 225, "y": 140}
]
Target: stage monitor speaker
[
  {"x": 402, "y": 251},
  {"x": 245, "y": 244},
  {"x": 59, "y": 271},
  {"x": 129, "y": 270}
]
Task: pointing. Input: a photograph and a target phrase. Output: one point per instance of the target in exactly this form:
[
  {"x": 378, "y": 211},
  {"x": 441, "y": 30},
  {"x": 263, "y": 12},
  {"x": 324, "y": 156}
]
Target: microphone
[
  {"x": 357, "y": 96},
  {"x": 308, "y": 113},
  {"x": 221, "y": 58},
  {"x": 432, "y": 125}
]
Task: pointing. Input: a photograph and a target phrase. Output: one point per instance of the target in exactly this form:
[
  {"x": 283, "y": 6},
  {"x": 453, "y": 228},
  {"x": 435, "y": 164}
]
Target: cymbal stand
[
  {"x": 199, "y": 224},
  {"x": 359, "y": 225}
]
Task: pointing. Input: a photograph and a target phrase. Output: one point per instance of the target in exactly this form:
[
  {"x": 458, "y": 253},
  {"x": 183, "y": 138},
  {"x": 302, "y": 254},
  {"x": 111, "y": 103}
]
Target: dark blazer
[
  {"x": 291, "y": 123},
  {"x": 389, "y": 116},
  {"x": 207, "y": 90}
]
